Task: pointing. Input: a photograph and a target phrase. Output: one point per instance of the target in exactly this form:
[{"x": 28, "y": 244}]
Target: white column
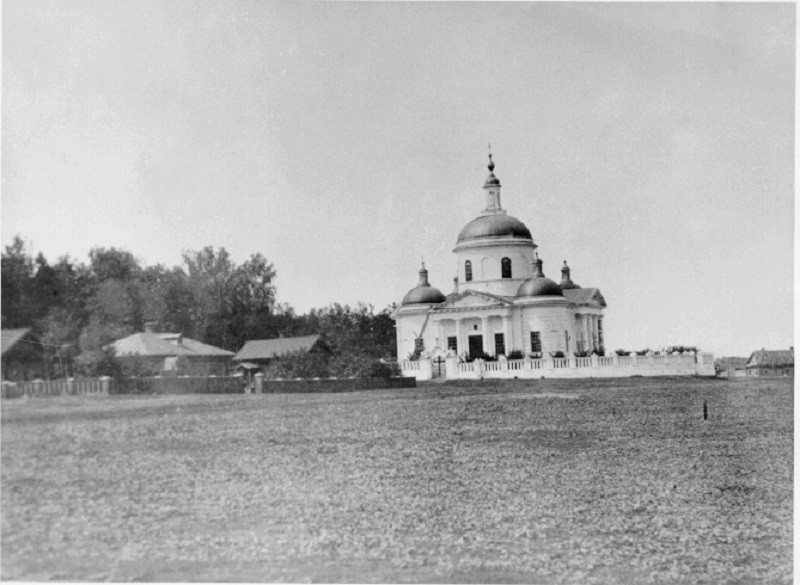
[
  {"x": 459, "y": 340},
  {"x": 595, "y": 345},
  {"x": 488, "y": 346},
  {"x": 442, "y": 340},
  {"x": 585, "y": 330},
  {"x": 507, "y": 333},
  {"x": 600, "y": 340}
]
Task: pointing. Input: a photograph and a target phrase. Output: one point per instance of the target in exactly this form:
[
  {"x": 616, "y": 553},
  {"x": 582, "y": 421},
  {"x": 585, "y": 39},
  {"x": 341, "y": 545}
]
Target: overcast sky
[{"x": 650, "y": 145}]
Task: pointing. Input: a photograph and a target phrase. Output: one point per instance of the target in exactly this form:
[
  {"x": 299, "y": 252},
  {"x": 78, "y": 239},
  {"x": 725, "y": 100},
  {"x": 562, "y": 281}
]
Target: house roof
[
  {"x": 147, "y": 344},
  {"x": 732, "y": 362},
  {"x": 262, "y": 349},
  {"x": 771, "y": 358},
  {"x": 11, "y": 337},
  {"x": 584, "y": 296}
]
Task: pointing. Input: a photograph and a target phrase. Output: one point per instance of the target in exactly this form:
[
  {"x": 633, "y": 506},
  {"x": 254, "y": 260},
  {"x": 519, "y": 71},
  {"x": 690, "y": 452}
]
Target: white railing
[
  {"x": 56, "y": 387},
  {"x": 87, "y": 387},
  {"x": 581, "y": 367},
  {"x": 467, "y": 367},
  {"x": 409, "y": 366}
]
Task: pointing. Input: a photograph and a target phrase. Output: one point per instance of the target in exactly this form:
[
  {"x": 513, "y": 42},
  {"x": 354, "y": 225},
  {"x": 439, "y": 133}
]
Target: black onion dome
[
  {"x": 539, "y": 285},
  {"x": 423, "y": 293},
  {"x": 494, "y": 226}
]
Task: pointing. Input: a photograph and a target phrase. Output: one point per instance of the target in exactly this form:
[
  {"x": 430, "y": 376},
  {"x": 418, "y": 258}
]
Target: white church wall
[
  {"x": 408, "y": 327},
  {"x": 551, "y": 323}
]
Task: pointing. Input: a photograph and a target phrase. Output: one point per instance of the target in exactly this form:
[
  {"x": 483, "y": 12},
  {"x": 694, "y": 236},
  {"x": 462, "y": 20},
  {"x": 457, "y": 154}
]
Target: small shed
[
  {"x": 261, "y": 352},
  {"x": 731, "y": 367}
]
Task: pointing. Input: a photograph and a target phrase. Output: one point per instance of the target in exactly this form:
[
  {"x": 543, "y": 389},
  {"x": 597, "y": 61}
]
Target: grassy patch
[{"x": 597, "y": 481}]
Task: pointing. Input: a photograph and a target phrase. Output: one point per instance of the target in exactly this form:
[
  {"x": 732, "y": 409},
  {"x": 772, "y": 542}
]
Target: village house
[
  {"x": 771, "y": 363},
  {"x": 22, "y": 355},
  {"x": 171, "y": 354}
]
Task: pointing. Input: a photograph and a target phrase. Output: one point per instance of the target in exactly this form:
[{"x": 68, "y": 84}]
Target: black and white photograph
[{"x": 397, "y": 292}]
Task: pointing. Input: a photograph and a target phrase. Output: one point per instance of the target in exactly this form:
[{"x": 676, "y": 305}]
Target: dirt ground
[{"x": 589, "y": 481}]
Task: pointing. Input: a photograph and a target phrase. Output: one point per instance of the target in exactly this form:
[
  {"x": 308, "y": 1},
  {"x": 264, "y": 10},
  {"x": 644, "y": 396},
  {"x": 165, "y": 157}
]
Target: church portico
[{"x": 457, "y": 328}]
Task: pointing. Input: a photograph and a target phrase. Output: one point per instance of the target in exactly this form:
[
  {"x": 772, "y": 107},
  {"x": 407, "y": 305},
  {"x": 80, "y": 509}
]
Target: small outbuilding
[
  {"x": 261, "y": 352},
  {"x": 731, "y": 367}
]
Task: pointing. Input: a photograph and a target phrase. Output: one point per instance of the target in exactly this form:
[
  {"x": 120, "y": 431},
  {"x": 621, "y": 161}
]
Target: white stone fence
[
  {"x": 701, "y": 364},
  {"x": 71, "y": 386}
]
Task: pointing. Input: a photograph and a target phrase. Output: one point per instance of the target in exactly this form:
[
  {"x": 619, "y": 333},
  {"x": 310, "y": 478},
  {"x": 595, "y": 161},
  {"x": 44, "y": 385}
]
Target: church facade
[
  {"x": 502, "y": 303},
  {"x": 505, "y": 318}
]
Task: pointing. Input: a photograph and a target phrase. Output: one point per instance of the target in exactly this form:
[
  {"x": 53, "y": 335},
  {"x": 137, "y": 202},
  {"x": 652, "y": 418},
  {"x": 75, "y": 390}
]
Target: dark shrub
[{"x": 515, "y": 355}]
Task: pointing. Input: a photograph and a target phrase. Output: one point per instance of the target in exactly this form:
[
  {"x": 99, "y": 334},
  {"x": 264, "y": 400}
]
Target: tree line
[{"x": 77, "y": 308}]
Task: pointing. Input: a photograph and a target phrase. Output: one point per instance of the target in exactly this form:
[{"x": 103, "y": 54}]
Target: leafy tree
[
  {"x": 358, "y": 329},
  {"x": 112, "y": 263},
  {"x": 16, "y": 285}
]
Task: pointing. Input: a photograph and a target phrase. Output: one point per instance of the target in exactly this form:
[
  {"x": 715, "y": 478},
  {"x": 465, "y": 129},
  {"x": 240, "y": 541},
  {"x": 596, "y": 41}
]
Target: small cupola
[
  {"x": 539, "y": 285},
  {"x": 423, "y": 293},
  {"x": 492, "y": 188},
  {"x": 566, "y": 281}
]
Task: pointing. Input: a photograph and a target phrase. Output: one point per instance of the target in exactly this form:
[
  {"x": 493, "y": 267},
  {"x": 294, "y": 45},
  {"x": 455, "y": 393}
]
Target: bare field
[{"x": 573, "y": 481}]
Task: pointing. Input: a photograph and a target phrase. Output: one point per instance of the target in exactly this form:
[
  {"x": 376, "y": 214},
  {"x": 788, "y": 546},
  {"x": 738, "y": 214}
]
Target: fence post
[
  {"x": 37, "y": 387},
  {"x": 481, "y": 367},
  {"x": 259, "y": 377},
  {"x": 69, "y": 387},
  {"x": 451, "y": 366},
  {"x": 105, "y": 383}
]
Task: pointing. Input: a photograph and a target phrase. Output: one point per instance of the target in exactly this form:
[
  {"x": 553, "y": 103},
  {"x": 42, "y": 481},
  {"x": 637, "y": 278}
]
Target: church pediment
[
  {"x": 473, "y": 299},
  {"x": 585, "y": 296}
]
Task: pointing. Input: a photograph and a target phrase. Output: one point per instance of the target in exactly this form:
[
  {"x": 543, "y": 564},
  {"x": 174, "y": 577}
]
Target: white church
[{"x": 503, "y": 306}]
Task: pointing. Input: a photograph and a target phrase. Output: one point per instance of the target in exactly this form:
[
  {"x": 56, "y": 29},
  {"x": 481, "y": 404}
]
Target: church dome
[
  {"x": 494, "y": 226},
  {"x": 423, "y": 293},
  {"x": 539, "y": 285}
]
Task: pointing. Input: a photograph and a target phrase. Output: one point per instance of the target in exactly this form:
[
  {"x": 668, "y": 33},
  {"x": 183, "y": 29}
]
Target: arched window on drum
[
  {"x": 505, "y": 267},
  {"x": 468, "y": 270}
]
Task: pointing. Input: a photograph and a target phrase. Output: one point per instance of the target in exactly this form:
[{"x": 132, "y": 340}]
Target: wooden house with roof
[
  {"x": 172, "y": 354},
  {"x": 771, "y": 363},
  {"x": 259, "y": 353},
  {"x": 22, "y": 355}
]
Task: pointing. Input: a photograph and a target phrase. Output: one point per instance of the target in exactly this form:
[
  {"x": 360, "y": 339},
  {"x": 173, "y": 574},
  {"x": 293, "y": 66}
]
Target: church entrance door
[{"x": 475, "y": 345}]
